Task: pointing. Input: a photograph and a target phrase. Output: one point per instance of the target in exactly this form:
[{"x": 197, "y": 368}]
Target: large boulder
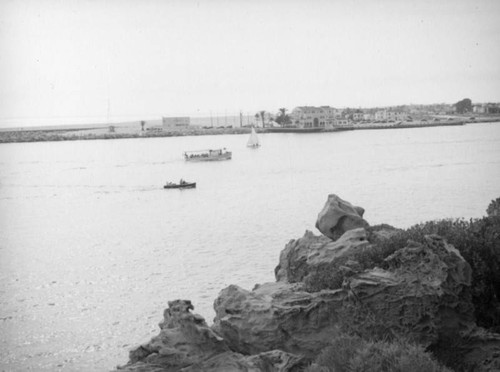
[
  {"x": 292, "y": 265},
  {"x": 277, "y": 316},
  {"x": 339, "y": 216}
]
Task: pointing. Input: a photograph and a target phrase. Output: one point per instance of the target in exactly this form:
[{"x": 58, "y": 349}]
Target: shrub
[
  {"x": 494, "y": 208},
  {"x": 349, "y": 353},
  {"x": 479, "y": 243}
]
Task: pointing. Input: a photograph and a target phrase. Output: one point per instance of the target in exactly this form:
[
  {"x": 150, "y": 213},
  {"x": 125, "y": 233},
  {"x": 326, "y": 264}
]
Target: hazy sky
[{"x": 87, "y": 60}]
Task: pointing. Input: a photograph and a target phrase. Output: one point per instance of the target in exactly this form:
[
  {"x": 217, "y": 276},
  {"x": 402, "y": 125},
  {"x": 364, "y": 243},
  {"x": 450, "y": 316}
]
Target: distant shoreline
[{"x": 103, "y": 133}]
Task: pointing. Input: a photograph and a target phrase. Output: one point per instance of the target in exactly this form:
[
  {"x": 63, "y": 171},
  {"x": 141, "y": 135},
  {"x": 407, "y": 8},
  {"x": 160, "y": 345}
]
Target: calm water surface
[{"x": 92, "y": 247}]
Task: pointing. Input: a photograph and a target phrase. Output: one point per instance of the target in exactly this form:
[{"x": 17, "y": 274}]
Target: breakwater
[{"x": 103, "y": 133}]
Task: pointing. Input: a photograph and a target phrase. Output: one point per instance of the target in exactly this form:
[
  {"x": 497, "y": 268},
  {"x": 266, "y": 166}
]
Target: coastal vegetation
[
  {"x": 477, "y": 240},
  {"x": 283, "y": 118},
  {"x": 351, "y": 353}
]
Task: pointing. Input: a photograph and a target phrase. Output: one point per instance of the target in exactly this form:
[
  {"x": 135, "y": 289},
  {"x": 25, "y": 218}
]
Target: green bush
[
  {"x": 494, "y": 208},
  {"x": 349, "y": 353}
]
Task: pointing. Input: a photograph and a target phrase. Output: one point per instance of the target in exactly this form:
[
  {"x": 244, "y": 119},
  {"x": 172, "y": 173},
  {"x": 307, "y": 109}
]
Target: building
[
  {"x": 357, "y": 116},
  {"x": 390, "y": 115},
  {"x": 381, "y": 115},
  {"x": 341, "y": 122},
  {"x": 315, "y": 117},
  {"x": 368, "y": 117},
  {"x": 175, "y": 122},
  {"x": 478, "y": 109},
  {"x": 488, "y": 108}
]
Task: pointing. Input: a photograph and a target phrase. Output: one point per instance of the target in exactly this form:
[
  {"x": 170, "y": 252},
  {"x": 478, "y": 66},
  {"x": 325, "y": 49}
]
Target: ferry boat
[{"x": 208, "y": 155}]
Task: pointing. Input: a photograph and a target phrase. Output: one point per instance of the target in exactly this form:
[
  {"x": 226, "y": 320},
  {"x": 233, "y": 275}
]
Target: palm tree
[{"x": 283, "y": 119}]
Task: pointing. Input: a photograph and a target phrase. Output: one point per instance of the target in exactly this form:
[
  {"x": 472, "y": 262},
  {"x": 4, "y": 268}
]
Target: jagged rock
[
  {"x": 319, "y": 262},
  {"x": 292, "y": 265},
  {"x": 339, "y": 216},
  {"x": 187, "y": 344},
  {"x": 277, "y": 316},
  {"x": 184, "y": 339}
]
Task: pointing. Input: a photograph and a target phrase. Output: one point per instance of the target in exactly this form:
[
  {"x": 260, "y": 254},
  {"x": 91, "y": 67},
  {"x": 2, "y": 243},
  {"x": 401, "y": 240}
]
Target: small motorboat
[{"x": 181, "y": 185}]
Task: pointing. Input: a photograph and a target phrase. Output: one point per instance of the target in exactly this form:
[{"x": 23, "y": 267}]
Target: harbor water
[{"x": 92, "y": 247}]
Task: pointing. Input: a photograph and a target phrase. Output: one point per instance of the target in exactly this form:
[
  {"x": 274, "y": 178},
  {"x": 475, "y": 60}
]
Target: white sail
[{"x": 253, "y": 141}]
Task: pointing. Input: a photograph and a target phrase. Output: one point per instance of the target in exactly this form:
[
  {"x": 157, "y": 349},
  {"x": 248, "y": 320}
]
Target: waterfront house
[{"x": 315, "y": 117}]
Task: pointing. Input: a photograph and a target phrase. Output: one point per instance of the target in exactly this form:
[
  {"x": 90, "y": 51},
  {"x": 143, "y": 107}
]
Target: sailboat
[{"x": 253, "y": 141}]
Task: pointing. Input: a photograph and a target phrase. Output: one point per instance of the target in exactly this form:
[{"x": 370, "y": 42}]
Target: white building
[
  {"x": 390, "y": 115},
  {"x": 315, "y": 117}
]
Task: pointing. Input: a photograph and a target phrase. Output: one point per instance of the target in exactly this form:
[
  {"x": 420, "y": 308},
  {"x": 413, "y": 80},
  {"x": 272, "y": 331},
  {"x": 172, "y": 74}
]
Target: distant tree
[
  {"x": 257, "y": 116},
  {"x": 142, "y": 125},
  {"x": 463, "y": 106},
  {"x": 262, "y": 117},
  {"x": 283, "y": 118}
]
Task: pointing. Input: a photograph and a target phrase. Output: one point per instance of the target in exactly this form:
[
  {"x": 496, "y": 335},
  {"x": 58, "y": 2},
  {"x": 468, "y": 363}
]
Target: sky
[{"x": 88, "y": 61}]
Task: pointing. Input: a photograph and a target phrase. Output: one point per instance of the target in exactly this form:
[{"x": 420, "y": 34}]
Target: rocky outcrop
[
  {"x": 323, "y": 287},
  {"x": 277, "y": 316},
  {"x": 187, "y": 344},
  {"x": 319, "y": 262},
  {"x": 339, "y": 216},
  {"x": 424, "y": 294},
  {"x": 184, "y": 339}
]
